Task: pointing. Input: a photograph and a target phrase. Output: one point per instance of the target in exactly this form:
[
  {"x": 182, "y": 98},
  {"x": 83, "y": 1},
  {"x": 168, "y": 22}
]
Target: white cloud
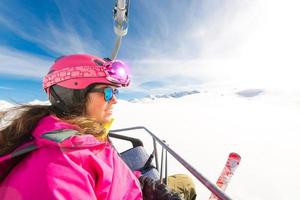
[
  {"x": 264, "y": 47},
  {"x": 200, "y": 36},
  {"x": 250, "y": 42},
  {"x": 254, "y": 43},
  {"x": 5, "y": 88},
  {"x": 20, "y": 63},
  {"x": 58, "y": 38}
]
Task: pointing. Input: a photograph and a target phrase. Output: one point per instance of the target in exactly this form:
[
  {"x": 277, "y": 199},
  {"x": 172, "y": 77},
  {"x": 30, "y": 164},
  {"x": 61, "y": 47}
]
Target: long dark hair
[
  {"x": 20, "y": 127},
  {"x": 19, "y": 122}
]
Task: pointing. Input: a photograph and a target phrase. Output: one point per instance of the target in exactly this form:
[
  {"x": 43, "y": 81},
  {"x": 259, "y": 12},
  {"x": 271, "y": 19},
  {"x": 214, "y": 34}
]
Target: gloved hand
[{"x": 154, "y": 190}]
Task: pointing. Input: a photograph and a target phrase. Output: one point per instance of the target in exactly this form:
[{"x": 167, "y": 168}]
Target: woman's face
[{"x": 98, "y": 108}]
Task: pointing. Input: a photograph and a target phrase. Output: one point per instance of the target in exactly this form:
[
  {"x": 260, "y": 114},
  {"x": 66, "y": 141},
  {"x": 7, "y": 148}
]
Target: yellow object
[{"x": 106, "y": 127}]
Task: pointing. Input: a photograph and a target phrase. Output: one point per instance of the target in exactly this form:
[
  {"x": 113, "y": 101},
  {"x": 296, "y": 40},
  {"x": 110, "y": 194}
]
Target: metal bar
[
  {"x": 155, "y": 154},
  {"x": 166, "y": 169},
  {"x": 209, "y": 185},
  {"x": 134, "y": 141},
  {"x": 161, "y": 165},
  {"x": 116, "y": 47}
]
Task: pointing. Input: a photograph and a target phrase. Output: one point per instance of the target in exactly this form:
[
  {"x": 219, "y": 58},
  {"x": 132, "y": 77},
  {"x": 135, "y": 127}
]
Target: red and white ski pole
[{"x": 231, "y": 164}]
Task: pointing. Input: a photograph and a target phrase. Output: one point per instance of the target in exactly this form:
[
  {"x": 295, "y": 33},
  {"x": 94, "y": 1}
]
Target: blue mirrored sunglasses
[{"x": 107, "y": 91}]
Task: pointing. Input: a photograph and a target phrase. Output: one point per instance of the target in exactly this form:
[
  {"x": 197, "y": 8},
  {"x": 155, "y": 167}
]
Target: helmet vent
[{"x": 98, "y": 62}]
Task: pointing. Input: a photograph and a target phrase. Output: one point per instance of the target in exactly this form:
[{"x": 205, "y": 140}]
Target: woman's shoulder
[
  {"x": 69, "y": 138},
  {"x": 53, "y": 131}
]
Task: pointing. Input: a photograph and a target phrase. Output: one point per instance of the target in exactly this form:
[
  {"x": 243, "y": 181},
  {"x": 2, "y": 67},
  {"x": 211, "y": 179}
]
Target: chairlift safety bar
[{"x": 209, "y": 185}]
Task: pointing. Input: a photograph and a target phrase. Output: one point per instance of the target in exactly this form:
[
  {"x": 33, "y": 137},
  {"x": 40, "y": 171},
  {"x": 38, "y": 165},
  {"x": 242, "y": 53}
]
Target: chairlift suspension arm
[{"x": 120, "y": 15}]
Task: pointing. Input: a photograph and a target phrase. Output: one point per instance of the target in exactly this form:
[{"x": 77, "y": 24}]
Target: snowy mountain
[
  {"x": 165, "y": 96},
  {"x": 38, "y": 102},
  {"x": 250, "y": 92},
  {"x": 4, "y": 105}
]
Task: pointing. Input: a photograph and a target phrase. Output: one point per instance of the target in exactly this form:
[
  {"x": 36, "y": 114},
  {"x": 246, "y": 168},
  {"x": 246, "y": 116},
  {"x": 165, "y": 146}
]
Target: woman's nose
[{"x": 114, "y": 100}]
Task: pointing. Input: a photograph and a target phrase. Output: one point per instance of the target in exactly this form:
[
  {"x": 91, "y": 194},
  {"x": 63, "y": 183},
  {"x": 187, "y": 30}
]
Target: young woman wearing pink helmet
[{"x": 61, "y": 151}]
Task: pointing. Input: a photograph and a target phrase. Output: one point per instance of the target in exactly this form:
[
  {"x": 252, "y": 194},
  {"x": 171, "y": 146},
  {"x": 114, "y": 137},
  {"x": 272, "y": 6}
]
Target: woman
[{"x": 61, "y": 151}]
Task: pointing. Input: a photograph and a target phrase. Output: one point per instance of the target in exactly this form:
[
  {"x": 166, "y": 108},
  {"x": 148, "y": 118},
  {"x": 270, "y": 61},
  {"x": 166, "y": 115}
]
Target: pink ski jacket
[{"x": 59, "y": 163}]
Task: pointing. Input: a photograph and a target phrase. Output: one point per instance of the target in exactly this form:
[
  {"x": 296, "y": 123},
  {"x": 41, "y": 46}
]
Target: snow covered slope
[{"x": 261, "y": 125}]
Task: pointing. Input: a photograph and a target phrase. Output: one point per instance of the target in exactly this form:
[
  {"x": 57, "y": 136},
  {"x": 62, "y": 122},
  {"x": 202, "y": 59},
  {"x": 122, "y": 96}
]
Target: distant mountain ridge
[
  {"x": 166, "y": 96},
  {"x": 248, "y": 93},
  {"x": 6, "y": 105}
]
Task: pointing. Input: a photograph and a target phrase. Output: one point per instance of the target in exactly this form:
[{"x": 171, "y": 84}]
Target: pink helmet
[{"x": 79, "y": 71}]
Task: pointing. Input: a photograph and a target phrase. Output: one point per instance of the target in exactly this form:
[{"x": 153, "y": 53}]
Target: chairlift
[{"x": 137, "y": 158}]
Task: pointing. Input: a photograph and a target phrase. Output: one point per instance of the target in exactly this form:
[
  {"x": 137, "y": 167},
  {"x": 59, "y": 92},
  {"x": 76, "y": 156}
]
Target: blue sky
[
  {"x": 171, "y": 45},
  {"x": 34, "y": 33}
]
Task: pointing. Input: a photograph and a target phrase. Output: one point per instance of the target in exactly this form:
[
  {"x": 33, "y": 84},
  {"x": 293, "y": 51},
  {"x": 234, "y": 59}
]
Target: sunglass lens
[{"x": 108, "y": 94}]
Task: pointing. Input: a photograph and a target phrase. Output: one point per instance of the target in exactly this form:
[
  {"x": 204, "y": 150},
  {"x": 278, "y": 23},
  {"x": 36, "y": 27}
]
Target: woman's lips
[{"x": 110, "y": 111}]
